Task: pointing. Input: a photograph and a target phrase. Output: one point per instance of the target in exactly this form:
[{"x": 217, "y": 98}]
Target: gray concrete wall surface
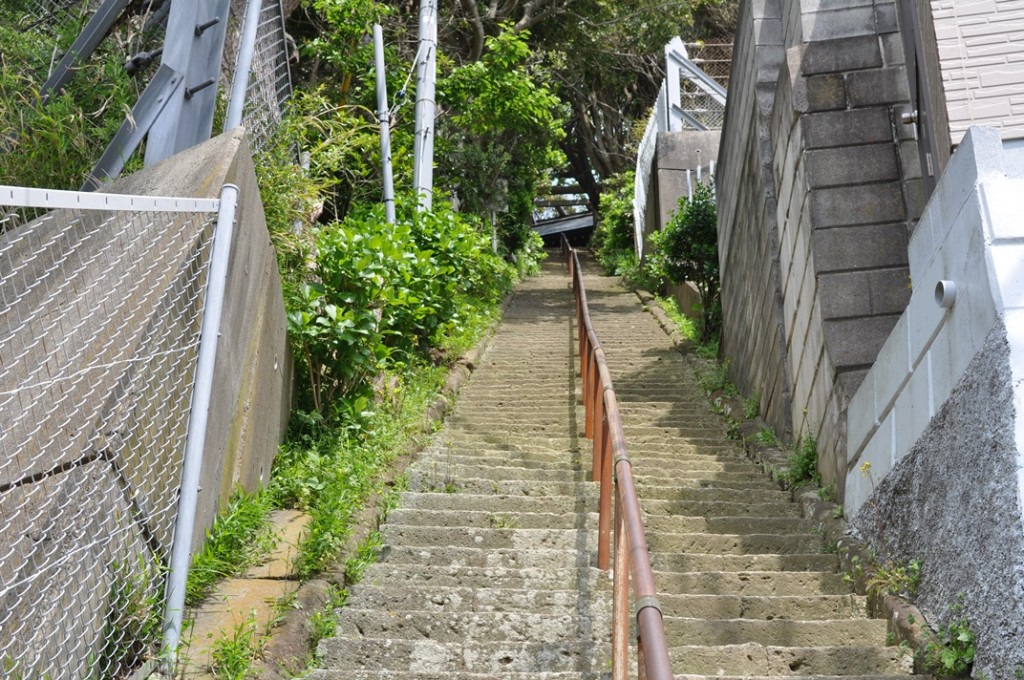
[
  {"x": 89, "y": 474},
  {"x": 252, "y": 386},
  {"x": 753, "y": 338}
]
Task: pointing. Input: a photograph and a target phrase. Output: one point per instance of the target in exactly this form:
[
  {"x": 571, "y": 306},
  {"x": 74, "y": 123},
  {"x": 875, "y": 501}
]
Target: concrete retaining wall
[
  {"x": 252, "y": 388},
  {"x": 936, "y": 429}
]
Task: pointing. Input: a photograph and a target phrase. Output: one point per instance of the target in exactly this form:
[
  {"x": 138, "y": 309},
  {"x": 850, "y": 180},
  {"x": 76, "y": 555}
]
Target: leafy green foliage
[
  {"x": 501, "y": 131},
  {"x": 330, "y": 471},
  {"x": 687, "y": 250},
  {"x": 612, "y": 241},
  {"x": 54, "y": 144},
  {"x": 240, "y": 537},
  {"x": 233, "y": 654},
  {"x": 896, "y": 579},
  {"x": 953, "y": 651},
  {"x": 803, "y": 462},
  {"x": 380, "y": 295}
]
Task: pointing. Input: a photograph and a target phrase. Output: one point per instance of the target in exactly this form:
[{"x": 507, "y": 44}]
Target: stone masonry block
[
  {"x": 843, "y": 128},
  {"x": 838, "y": 23},
  {"x": 864, "y": 247},
  {"x": 885, "y": 18},
  {"x": 873, "y": 87},
  {"x": 865, "y": 204},
  {"x": 892, "y": 49},
  {"x": 863, "y": 293},
  {"x": 844, "y": 54},
  {"x": 851, "y": 165},
  {"x": 819, "y": 93},
  {"x": 768, "y": 32},
  {"x": 761, "y": 9},
  {"x": 855, "y": 342}
]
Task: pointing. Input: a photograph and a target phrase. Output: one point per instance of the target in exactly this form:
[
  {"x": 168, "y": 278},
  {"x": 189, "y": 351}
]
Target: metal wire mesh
[
  {"x": 715, "y": 59},
  {"x": 99, "y": 324},
  {"x": 270, "y": 83},
  {"x": 46, "y": 14}
]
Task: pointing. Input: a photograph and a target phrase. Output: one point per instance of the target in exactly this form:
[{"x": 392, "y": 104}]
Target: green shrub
[
  {"x": 381, "y": 293},
  {"x": 612, "y": 241},
  {"x": 687, "y": 250}
]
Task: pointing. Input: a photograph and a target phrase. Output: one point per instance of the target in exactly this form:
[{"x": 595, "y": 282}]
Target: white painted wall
[{"x": 971, "y": 233}]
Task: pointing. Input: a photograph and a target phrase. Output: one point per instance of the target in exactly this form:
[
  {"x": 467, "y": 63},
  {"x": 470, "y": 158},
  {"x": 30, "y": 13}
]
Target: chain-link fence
[
  {"x": 715, "y": 59},
  {"x": 269, "y": 85},
  {"x": 100, "y": 312}
]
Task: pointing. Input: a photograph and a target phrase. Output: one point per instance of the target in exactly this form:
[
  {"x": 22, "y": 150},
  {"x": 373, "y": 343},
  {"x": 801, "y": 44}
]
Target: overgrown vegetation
[
  {"x": 802, "y": 466},
  {"x": 240, "y": 538},
  {"x": 953, "y": 650},
  {"x": 54, "y": 141},
  {"x": 687, "y": 250}
]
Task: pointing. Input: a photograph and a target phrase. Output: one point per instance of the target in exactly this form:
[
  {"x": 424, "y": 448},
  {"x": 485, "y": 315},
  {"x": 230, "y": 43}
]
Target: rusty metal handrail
[{"x": 611, "y": 465}]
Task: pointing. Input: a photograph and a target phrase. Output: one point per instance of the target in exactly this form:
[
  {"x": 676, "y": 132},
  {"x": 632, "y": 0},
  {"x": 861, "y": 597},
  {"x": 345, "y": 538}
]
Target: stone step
[
  {"x": 901, "y": 676},
  {"x": 764, "y": 607},
  {"x": 685, "y": 465},
  {"x": 509, "y": 558},
  {"x": 446, "y": 576},
  {"x": 775, "y": 632},
  {"x": 326, "y": 674},
  {"x": 508, "y": 519},
  {"x": 454, "y": 627},
  {"x": 490, "y": 539},
  {"x": 590, "y": 489},
  {"x": 641, "y": 473},
  {"x": 438, "y": 657},
  {"x": 571, "y": 518},
  {"x": 714, "y": 508},
  {"x": 752, "y": 658},
  {"x": 549, "y": 602},
  {"x": 734, "y": 544},
  {"x": 684, "y": 562},
  {"x": 765, "y": 583}
]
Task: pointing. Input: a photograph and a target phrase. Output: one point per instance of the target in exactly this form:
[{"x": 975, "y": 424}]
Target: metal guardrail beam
[
  {"x": 86, "y": 42},
  {"x": 165, "y": 84},
  {"x": 194, "y": 47}
]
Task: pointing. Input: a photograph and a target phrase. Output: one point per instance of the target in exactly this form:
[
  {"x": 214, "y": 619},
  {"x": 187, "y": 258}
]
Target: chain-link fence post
[{"x": 181, "y": 550}]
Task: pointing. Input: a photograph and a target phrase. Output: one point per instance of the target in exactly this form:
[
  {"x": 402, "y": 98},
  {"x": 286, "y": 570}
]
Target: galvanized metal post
[
  {"x": 243, "y": 65},
  {"x": 423, "y": 164},
  {"x": 195, "y": 438},
  {"x": 384, "y": 117}
]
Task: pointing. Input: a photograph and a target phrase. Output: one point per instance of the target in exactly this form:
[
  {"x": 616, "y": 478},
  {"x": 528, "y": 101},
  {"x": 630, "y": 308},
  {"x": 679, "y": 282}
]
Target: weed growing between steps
[
  {"x": 329, "y": 472},
  {"x": 240, "y": 538}
]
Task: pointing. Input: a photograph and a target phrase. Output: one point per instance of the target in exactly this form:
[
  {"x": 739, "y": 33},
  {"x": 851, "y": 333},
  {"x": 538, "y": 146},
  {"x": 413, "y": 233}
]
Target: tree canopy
[{"x": 589, "y": 67}]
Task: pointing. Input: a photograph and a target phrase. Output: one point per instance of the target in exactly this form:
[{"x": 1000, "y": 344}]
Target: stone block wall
[
  {"x": 842, "y": 175},
  {"x": 752, "y": 332}
]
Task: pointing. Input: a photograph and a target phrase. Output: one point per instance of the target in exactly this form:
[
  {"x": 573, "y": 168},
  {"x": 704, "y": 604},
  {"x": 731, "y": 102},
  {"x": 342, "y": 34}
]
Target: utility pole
[
  {"x": 426, "y": 69},
  {"x": 384, "y": 117}
]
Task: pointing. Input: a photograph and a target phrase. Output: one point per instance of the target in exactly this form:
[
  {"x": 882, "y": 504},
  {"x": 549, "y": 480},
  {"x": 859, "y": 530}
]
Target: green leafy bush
[
  {"x": 380, "y": 294},
  {"x": 687, "y": 250},
  {"x": 612, "y": 241}
]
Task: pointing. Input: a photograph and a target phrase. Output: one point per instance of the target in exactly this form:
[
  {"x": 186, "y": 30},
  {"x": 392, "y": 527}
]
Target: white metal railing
[{"x": 689, "y": 99}]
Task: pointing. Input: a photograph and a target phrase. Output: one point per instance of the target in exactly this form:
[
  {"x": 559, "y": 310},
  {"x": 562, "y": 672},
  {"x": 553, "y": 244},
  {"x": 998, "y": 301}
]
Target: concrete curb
[
  {"x": 289, "y": 642},
  {"x": 905, "y": 621}
]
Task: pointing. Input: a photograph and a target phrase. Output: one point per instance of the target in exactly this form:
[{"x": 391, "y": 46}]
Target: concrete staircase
[{"x": 486, "y": 570}]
